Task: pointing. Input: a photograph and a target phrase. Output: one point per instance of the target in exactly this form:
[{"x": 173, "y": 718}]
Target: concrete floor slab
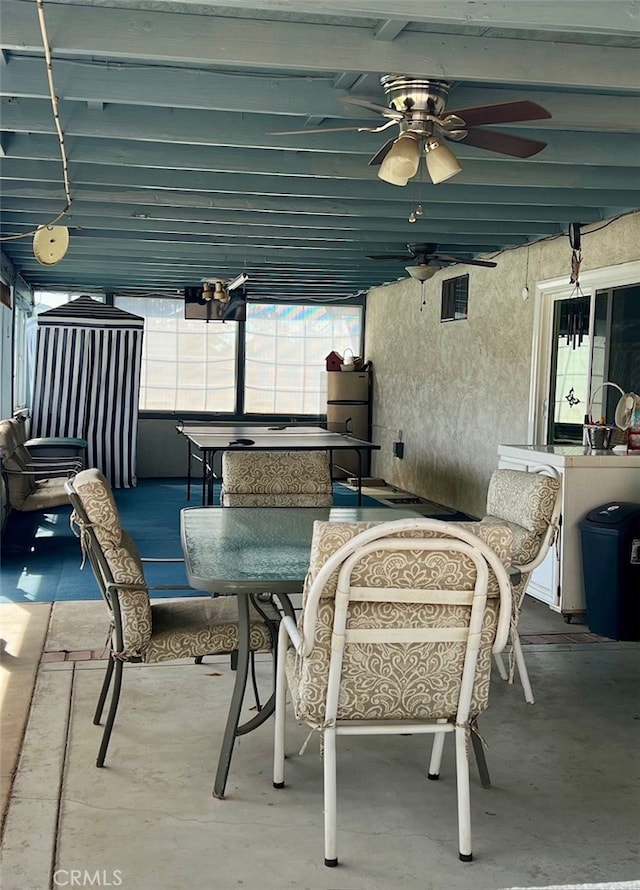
[
  {"x": 563, "y": 807},
  {"x": 23, "y": 628}
]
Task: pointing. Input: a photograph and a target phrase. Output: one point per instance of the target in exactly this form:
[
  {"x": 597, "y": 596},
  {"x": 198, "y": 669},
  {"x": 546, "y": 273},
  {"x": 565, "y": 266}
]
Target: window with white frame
[
  {"x": 186, "y": 365},
  {"x": 192, "y": 365},
  {"x": 286, "y": 348}
]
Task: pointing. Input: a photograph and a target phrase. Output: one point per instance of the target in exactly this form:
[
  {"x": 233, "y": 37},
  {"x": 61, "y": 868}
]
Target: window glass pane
[
  {"x": 624, "y": 347},
  {"x": 186, "y": 365},
  {"x": 20, "y": 396},
  {"x": 286, "y": 348}
]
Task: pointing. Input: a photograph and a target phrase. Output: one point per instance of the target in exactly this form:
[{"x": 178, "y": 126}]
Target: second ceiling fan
[
  {"x": 417, "y": 106},
  {"x": 427, "y": 260}
]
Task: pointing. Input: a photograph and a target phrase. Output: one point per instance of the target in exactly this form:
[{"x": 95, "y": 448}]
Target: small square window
[{"x": 455, "y": 298}]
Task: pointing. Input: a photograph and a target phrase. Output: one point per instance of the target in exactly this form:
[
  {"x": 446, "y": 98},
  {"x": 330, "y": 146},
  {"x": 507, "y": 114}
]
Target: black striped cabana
[{"x": 87, "y": 381}]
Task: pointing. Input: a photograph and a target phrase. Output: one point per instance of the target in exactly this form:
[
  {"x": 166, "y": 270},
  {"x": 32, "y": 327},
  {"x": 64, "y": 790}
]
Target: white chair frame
[
  {"x": 345, "y": 559},
  {"x": 548, "y": 542}
]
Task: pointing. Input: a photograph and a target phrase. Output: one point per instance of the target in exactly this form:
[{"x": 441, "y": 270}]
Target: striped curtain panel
[{"x": 87, "y": 382}]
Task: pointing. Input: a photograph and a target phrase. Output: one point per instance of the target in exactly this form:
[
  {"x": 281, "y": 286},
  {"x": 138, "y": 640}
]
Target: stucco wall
[{"x": 459, "y": 389}]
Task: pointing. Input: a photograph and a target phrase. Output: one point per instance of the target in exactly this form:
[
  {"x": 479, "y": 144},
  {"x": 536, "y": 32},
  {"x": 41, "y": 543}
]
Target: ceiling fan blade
[
  {"x": 372, "y": 106},
  {"x": 469, "y": 262},
  {"x": 381, "y": 153},
  {"x": 502, "y": 113},
  {"x": 313, "y": 130},
  {"x": 504, "y": 143}
]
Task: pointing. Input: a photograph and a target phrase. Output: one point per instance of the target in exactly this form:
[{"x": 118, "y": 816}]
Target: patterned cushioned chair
[
  {"x": 31, "y": 485},
  {"x": 276, "y": 479},
  {"x": 529, "y": 502},
  {"x": 142, "y": 631},
  {"x": 398, "y": 624}
]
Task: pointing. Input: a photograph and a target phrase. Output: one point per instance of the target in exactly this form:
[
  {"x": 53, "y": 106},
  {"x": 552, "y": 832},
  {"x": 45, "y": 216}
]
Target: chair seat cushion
[
  {"x": 196, "y": 626},
  {"x": 46, "y": 493},
  {"x": 526, "y": 543}
]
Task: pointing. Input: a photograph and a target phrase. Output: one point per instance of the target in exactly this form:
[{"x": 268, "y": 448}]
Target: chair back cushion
[
  {"x": 526, "y": 502},
  {"x": 120, "y": 555},
  {"x": 396, "y": 680},
  {"x": 526, "y": 499},
  {"x": 276, "y": 479},
  {"x": 12, "y": 455}
]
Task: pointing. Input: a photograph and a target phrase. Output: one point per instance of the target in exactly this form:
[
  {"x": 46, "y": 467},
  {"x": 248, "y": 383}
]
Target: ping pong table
[{"x": 211, "y": 438}]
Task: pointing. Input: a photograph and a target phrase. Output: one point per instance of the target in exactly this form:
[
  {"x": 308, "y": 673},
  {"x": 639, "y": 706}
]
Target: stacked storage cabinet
[{"x": 349, "y": 411}]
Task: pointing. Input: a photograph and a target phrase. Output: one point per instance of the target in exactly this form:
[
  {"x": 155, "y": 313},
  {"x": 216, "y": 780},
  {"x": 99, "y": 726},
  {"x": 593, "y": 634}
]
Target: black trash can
[{"x": 611, "y": 569}]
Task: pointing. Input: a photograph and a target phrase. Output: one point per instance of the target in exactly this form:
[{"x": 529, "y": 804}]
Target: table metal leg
[
  {"x": 189, "y": 470},
  {"x": 231, "y": 729},
  {"x": 359, "y": 453}
]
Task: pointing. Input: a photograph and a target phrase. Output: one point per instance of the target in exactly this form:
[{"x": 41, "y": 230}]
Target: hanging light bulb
[
  {"x": 402, "y": 160},
  {"x": 419, "y": 211},
  {"x": 441, "y": 162},
  {"x": 412, "y": 216}
]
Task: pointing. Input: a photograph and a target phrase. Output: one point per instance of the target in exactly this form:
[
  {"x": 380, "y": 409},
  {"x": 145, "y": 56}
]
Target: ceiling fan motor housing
[{"x": 419, "y": 99}]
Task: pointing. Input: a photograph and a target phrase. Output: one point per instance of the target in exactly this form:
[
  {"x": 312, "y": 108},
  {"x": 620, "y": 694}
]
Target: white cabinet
[{"x": 588, "y": 480}]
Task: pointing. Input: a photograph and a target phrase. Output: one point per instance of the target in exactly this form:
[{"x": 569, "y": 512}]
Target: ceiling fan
[
  {"x": 417, "y": 106},
  {"x": 428, "y": 260}
]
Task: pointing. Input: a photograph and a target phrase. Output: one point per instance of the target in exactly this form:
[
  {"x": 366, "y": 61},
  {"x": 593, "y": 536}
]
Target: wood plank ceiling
[{"x": 167, "y": 110}]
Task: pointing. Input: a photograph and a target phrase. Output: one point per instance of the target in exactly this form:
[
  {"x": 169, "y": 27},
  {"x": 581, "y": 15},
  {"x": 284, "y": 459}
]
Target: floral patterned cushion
[
  {"x": 395, "y": 680},
  {"x": 526, "y": 499},
  {"x": 525, "y": 543},
  {"x": 200, "y": 626},
  {"x": 276, "y": 479},
  {"x": 122, "y": 557},
  {"x": 168, "y": 629}
]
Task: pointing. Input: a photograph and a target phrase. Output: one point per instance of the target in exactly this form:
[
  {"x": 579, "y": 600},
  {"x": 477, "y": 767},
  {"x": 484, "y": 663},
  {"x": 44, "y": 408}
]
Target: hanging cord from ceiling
[
  {"x": 578, "y": 309},
  {"x": 59, "y": 131}
]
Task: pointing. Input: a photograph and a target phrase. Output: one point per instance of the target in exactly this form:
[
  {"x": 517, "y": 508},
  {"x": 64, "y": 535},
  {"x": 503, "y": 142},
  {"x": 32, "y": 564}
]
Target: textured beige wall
[{"x": 459, "y": 389}]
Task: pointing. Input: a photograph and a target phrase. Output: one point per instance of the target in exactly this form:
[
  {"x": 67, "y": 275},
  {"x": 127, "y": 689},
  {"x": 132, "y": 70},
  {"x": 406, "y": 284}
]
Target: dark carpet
[{"x": 41, "y": 557}]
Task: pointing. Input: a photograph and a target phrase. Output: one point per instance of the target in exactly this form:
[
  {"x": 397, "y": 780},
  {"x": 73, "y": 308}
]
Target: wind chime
[{"x": 577, "y": 321}]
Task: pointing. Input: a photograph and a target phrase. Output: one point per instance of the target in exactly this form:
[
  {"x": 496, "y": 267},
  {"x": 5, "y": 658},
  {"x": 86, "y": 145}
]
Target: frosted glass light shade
[
  {"x": 422, "y": 272},
  {"x": 442, "y": 164},
  {"x": 401, "y": 161}
]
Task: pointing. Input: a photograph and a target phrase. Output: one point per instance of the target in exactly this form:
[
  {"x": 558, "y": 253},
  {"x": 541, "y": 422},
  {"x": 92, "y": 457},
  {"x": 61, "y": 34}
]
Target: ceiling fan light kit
[
  {"x": 402, "y": 160},
  {"x": 441, "y": 162},
  {"x": 422, "y": 272}
]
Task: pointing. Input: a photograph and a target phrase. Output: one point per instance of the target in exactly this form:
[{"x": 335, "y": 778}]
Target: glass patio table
[{"x": 248, "y": 551}]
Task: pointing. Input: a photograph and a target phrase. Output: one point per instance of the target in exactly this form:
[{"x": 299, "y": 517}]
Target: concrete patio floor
[{"x": 563, "y": 808}]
